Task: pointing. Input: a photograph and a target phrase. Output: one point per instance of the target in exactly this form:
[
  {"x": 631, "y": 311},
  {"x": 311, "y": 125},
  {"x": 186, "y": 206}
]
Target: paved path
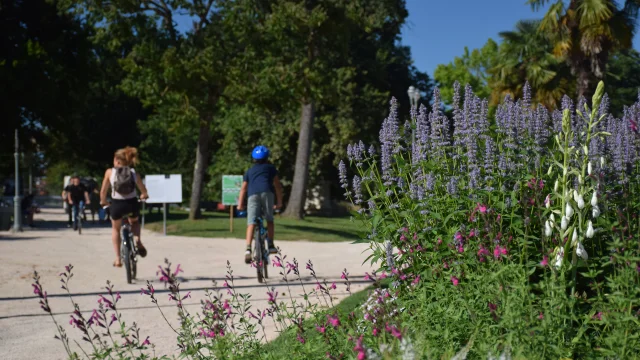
[{"x": 26, "y": 332}]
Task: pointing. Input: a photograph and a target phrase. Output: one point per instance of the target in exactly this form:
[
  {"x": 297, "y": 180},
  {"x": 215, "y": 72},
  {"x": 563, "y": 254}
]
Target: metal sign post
[
  {"x": 164, "y": 189},
  {"x": 231, "y": 185},
  {"x": 17, "y": 213}
]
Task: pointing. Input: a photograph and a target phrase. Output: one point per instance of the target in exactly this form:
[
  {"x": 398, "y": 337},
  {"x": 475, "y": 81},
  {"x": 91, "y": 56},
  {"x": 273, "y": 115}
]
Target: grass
[{"x": 216, "y": 225}]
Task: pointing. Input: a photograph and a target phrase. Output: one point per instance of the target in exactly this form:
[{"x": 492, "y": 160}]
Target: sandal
[
  {"x": 115, "y": 264},
  {"x": 142, "y": 251}
]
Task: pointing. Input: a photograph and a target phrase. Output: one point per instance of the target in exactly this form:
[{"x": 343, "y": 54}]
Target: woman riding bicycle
[{"x": 122, "y": 179}]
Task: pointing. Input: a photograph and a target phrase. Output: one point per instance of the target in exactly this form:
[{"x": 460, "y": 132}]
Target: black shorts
[{"x": 120, "y": 208}]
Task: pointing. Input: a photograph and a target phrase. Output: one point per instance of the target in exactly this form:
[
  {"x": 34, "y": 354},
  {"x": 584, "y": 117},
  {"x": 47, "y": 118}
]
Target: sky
[{"x": 438, "y": 30}]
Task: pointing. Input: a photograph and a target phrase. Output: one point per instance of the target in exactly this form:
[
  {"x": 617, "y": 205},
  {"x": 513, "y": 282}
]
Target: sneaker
[
  {"x": 272, "y": 249},
  {"x": 247, "y": 257}
]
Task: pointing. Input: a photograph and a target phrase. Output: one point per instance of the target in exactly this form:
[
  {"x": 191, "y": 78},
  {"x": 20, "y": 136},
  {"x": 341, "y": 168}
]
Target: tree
[
  {"x": 308, "y": 55},
  {"x": 526, "y": 55},
  {"x": 586, "y": 32},
  {"x": 623, "y": 80},
  {"x": 180, "y": 76},
  {"x": 471, "y": 68}
]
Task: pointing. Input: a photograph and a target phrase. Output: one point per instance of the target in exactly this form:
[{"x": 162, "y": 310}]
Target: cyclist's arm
[
  {"x": 86, "y": 197},
  {"x": 278, "y": 187},
  {"x": 243, "y": 193},
  {"x": 143, "y": 189},
  {"x": 105, "y": 187}
]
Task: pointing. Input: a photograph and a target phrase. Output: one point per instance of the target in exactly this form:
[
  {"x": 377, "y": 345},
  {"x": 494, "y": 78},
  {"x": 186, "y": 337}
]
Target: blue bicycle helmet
[{"x": 260, "y": 153}]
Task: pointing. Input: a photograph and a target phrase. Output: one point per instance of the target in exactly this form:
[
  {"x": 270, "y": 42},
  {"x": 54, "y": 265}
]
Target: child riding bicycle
[{"x": 260, "y": 184}]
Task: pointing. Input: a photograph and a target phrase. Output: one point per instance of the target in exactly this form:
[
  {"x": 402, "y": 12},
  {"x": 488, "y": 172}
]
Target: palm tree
[
  {"x": 526, "y": 55},
  {"x": 585, "y": 32}
]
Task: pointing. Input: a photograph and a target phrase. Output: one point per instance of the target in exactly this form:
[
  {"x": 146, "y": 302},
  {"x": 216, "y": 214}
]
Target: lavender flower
[
  {"x": 390, "y": 140},
  {"x": 357, "y": 189},
  {"x": 342, "y": 170}
]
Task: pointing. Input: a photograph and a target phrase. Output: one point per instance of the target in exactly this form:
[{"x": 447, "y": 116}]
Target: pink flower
[
  {"x": 360, "y": 349},
  {"x": 415, "y": 236},
  {"x": 276, "y": 263},
  {"x": 321, "y": 329},
  {"x": 178, "y": 270},
  {"x": 460, "y": 249},
  {"x": 366, "y": 277},
  {"x": 416, "y": 280},
  {"x": 146, "y": 341},
  {"x": 498, "y": 251},
  {"x": 545, "y": 261},
  {"x": 455, "y": 281},
  {"x": 598, "y": 316},
  {"x": 439, "y": 242},
  {"x": 300, "y": 338},
  {"x": 492, "y": 307},
  {"x": 394, "y": 331},
  {"x": 403, "y": 238},
  {"x": 472, "y": 233},
  {"x": 361, "y": 355},
  {"x": 333, "y": 321},
  {"x": 458, "y": 236},
  {"x": 383, "y": 275},
  {"x": 482, "y": 208},
  {"x": 333, "y": 286},
  {"x": 541, "y": 316},
  {"x": 376, "y": 331}
]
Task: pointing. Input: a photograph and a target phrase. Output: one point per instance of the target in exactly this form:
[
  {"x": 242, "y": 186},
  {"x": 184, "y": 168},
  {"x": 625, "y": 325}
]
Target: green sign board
[{"x": 231, "y": 185}]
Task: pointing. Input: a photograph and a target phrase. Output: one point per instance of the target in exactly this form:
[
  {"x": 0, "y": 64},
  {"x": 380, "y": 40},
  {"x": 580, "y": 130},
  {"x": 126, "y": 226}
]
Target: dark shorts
[{"x": 120, "y": 208}]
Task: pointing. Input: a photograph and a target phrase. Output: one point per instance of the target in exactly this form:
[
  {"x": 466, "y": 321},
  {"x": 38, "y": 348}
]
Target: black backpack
[{"x": 124, "y": 183}]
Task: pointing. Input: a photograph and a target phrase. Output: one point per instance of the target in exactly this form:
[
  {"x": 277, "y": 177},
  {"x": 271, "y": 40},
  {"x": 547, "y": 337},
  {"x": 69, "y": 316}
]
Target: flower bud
[
  {"x": 595, "y": 212},
  {"x": 574, "y": 238},
  {"x": 547, "y": 201},
  {"x": 589, "y": 168},
  {"x": 580, "y": 202},
  {"x": 547, "y": 228},
  {"x": 550, "y": 170},
  {"x": 601, "y": 161},
  {"x": 580, "y": 181},
  {"x": 555, "y": 187},
  {"x": 569, "y": 210},
  {"x": 590, "y": 230},
  {"x": 594, "y": 199},
  {"x": 582, "y": 252},
  {"x": 559, "y": 257},
  {"x": 564, "y": 223}
]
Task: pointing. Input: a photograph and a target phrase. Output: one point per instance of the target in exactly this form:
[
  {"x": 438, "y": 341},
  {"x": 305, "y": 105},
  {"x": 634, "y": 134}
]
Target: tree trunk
[
  {"x": 202, "y": 159},
  {"x": 583, "y": 80},
  {"x": 295, "y": 206}
]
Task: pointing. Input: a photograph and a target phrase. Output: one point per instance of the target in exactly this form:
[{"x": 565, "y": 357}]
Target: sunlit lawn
[{"x": 216, "y": 225}]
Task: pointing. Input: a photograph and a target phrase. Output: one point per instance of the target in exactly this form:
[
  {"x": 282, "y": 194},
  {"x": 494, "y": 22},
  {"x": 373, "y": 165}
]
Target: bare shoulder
[{"x": 107, "y": 173}]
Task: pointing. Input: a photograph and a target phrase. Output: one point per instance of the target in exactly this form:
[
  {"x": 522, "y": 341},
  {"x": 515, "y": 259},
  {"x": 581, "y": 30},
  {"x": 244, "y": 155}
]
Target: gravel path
[{"x": 26, "y": 332}]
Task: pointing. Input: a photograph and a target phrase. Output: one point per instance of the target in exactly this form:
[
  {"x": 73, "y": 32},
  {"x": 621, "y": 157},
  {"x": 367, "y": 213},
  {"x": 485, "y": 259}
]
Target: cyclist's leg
[
  {"x": 253, "y": 211},
  {"x": 115, "y": 239},
  {"x": 267, "y": 207},
  {"x": 74, "y": 211}
]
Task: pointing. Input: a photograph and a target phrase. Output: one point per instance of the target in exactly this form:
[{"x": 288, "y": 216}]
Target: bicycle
[
  {"x": 260, "y": 251},
  {"x": 128, "y": 250},
  {"x": 79, "y": 218}
]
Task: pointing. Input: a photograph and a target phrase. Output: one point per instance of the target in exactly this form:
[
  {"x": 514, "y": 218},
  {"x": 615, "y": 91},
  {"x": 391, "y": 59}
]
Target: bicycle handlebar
[{"x": 109, "y": 204}]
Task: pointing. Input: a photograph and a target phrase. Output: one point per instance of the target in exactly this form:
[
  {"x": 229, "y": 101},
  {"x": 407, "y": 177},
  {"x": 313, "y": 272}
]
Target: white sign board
[{"x": 165, "y": 189}]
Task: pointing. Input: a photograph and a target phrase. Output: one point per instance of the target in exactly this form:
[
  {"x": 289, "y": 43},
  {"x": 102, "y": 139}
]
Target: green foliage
[
  {"x": 516, "y": 251},
  {"x": 471, "y": 68}
]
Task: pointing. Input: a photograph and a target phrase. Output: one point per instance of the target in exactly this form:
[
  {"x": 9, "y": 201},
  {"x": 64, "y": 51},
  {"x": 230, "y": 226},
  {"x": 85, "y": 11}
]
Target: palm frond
[{"x": 593, "y": 12}]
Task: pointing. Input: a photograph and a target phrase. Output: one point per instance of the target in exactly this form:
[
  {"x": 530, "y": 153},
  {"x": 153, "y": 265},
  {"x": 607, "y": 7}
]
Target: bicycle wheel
[
  {"x": 125, "y": 253},
  {"x": 258, "y": 255},
  {"x": 265, "y": 272},
  {"x": 79, "y": 220},
  {"x": 134, "y": 263}
]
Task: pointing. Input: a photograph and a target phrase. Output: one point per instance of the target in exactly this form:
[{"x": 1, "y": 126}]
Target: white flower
[
  {"x": 547, "y": 228},
  {"x": 559, "y": 257},
  {"x": 547, "y": 201},
  {"x": 574, "y": 238},
  {"x": 576, "y": 195},
  {"x": 569, "y": 211},
  {"x": 594, "y": 199},
  {"x": 580, "y": 251},
  {"x": 580, "y": 202},
  {"x": 552, "y": 218},
  {"x": 590, "y": 230},
  {"x": 555, "y": 187},
  {"x": 601, "y": 161},
  {"x": 564, "y": 223},
  {"x": 596, "y": 212},
  {"x": 580, "y": 181},
  {"x": 589, "y": 168}
]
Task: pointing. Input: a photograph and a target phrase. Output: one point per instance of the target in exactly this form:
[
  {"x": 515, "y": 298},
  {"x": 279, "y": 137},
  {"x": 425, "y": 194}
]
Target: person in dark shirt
[
  {"x": 77, "y": 197},
  {"x": 28, "y": 209},
  {"x": 261, "y": 184}
]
